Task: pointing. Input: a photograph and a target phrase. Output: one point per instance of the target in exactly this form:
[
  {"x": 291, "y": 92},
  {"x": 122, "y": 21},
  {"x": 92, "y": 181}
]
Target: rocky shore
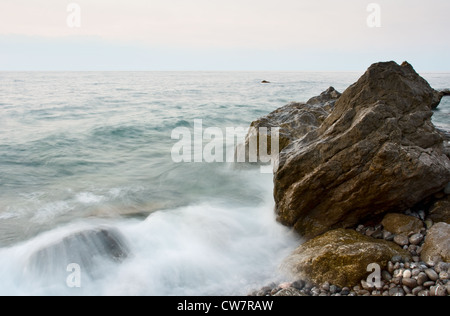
[{"x": 364, "y": 178}]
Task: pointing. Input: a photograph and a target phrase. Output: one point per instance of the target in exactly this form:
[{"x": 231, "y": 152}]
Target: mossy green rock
[{"x": 340, "y": 257}]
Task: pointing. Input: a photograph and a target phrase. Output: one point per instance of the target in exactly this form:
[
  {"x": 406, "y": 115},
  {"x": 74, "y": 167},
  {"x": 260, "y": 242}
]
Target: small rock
[
  {"x": 333, "y": 289},
  {"x": 422, "y": 278},
  {"x": 386, "y": 275},
  {"x": 424, "y": 293},
  {"x": 396, "y": 291},
  {"x": 429, "y": 284},
  {"x": 442, "y": 266},
  {"x": 416, "y": 239},
  {"x": 370, "y": 231},
  {"x": 444, "y": 275},
  {"x": 378, "y": 234},
  {"x": 299, "y": 285},
  {"x": 432, "y": 275},
  {"x": 428, "y": 223},
  {"x": 411, "y": 283},
  {"x": 407, "y": 274},
  {"x": 401, "y": 240},
  {"x": 366, "y": 286},
  {"x": 415, "y": 291},
  {"x": 415, "y": 272},
  {"x": 390, "y": 267},
  {"x": 438, "y": 290},
  {"x": 388, "y": 235},
  {"x": 360, "y": 228},
  {"x": 326, "y": 286},
  {"x": 345, "y": 291},
  {"x": 397, "y": 259},
  {"x": 406, "y": 289}
]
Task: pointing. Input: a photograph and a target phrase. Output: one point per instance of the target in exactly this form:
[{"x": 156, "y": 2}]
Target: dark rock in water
[
  {"x": 445, "y": 92},
  {"x": 265, "y": 81},
  {"x": 377, "y": 152},
  {"x": 85, "y": 248}
]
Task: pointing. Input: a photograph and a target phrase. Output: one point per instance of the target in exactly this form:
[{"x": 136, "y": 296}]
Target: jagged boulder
[
  {"x": 377, "y": 152},
  {"x": 294, "y": 120}
]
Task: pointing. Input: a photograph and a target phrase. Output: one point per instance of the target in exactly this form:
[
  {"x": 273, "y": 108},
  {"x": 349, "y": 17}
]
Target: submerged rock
[
  {"x": 340, "y": 257},
  {"x": 85, "y": 248},
  {"x": 377, "y": 152}
]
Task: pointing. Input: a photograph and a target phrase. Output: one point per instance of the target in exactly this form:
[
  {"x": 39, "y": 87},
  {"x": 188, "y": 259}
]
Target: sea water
[{"x": 84, "y": 151}]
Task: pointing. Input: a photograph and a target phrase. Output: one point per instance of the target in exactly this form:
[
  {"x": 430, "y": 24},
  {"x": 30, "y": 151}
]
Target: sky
[{"x": 231, "y": 35}]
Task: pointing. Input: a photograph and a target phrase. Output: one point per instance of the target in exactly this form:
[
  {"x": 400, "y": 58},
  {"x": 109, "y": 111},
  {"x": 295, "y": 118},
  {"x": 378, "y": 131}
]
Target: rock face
[
  {"x": 294, "y": 120},
  {"x": 437, "y": 244},
  {"x": 401, "y": 224},
  {"x": 340, "y": 256},
  {"x": 377, "y": 152}
]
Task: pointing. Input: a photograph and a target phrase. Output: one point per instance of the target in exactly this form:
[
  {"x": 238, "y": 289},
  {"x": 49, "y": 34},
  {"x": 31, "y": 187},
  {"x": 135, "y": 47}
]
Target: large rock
[
  {"x": 376, "y": 152},
  {"x": 437, "y": 243},
  {"x": 402, "y": 224},
  {"x": 294, "y": 120},
  {"x": 340, "y": 257},
  {"x": 440, "y": 211}
]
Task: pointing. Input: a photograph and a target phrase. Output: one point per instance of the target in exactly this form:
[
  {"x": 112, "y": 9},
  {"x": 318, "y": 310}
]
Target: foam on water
[{"x": 213, "y": 248}]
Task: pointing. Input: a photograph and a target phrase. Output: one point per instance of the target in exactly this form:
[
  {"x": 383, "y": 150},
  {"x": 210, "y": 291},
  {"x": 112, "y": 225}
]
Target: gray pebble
[
  {"x": 429, "y": 284},
  {"x": 422, "y": 278},
  {"x": 443, "y": 275},
  {"x": 432, "y": 274},
  {"x": 395, "y": 291},
  {"x": 411, "y": 283},
  {"x": 424, "y": 293},
  {"x": 388, "y": 236},
  {"x": 390, "y": 267},
  {"x": 396, "y": 259},
  {"x": 386, "y": 276},
  {"x": 417, "y": 290},
  {"x": 401, "y": 240},
  {"x": 333, "y": 289},
  {"x": 407, "y": 273}
]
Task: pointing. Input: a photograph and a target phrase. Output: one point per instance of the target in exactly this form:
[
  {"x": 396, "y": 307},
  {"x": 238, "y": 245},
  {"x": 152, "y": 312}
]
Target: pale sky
[{"x": 297, "y": 35}]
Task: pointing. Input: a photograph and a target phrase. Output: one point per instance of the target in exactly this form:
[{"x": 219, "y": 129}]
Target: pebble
[
  {"x": 386, "y": 275},
  {"x": 432, "y": 275},
  {"x": 443, "y": 275},
  {"x": 429, "y": 283},
  {"x": 401, "y": 240},
  {"x": 438, "y": 290},
  {"x": 422, "y": 278},
  {"x": 415, "y": 291},
  {"x": 407, "y": 274},
  {"x": 390, "y": 267},
  {"x": 409, "y": 282},
  {"x": 396, "y": 291}
]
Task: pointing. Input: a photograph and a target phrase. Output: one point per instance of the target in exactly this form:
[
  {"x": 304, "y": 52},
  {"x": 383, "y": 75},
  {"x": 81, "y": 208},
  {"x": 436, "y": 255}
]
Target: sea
[{"x": 93, "y": 151}]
